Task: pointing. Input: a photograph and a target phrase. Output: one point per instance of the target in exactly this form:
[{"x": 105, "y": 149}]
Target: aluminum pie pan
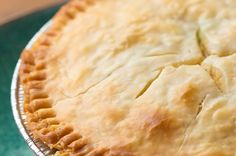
[{"x": 17, "y": 98}]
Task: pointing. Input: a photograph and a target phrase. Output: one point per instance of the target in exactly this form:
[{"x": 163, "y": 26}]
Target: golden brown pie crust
[{"x": 187, "y": 97}]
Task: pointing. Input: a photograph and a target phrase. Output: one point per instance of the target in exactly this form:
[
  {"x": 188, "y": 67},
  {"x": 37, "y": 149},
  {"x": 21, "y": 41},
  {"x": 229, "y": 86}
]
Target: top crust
[{"x": 134, "y": 79}]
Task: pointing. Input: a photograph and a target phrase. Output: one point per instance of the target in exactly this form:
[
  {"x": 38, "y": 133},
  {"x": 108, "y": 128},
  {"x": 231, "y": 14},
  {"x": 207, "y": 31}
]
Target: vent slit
[{"x": 148, "y": 84}]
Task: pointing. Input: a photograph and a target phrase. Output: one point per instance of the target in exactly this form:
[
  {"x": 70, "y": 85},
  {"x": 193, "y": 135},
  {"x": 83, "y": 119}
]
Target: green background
[{"x": 13, "y": 38}]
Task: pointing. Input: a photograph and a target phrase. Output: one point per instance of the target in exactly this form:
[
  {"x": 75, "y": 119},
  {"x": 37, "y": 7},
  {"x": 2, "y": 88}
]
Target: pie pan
[{"x": 17, "y": 98}]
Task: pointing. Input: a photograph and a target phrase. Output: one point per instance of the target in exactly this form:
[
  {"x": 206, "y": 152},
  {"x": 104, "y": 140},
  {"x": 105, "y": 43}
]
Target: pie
[{"x": 135, "y": 78}]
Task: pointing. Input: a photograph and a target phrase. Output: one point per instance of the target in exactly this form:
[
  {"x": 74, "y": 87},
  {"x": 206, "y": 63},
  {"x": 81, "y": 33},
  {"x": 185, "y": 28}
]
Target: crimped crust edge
[{"x": 41, "y": 118}]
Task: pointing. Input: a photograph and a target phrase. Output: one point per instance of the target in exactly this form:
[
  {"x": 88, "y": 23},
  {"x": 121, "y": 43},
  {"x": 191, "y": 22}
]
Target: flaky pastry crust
[{"x": 134, "y": 78}]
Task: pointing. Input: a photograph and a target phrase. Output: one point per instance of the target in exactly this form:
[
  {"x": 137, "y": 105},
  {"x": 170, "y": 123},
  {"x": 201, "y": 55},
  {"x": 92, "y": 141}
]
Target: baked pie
[{"x": 135, "y": 78}]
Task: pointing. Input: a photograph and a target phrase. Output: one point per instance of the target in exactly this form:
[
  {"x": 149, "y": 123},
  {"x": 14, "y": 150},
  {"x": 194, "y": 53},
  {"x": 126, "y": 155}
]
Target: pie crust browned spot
[{"x": 135, "y": 78}]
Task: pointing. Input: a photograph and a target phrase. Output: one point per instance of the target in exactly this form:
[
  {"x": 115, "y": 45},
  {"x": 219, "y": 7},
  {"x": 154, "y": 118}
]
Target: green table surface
[{"x": 13, "y": 38}]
